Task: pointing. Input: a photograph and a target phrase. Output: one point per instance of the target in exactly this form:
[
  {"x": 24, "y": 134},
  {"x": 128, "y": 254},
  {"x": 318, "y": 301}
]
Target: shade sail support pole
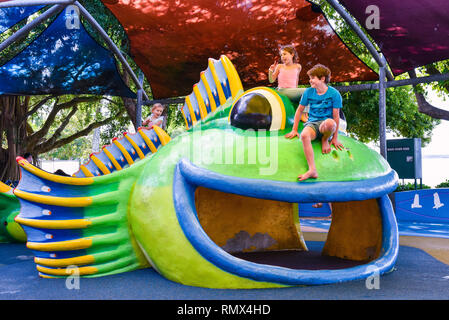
[
  {"x": 383, "y": 72},
  {"x": 394, "y": 83},
  {"x": 139, "y": 102},
  {"x": 31, "y": 3},
  {"x": 111, "y": 45},
  {"x": 23, "y": 32},
  {"x": 382, "y": 113},
  {"x": 354, "y": 26}
]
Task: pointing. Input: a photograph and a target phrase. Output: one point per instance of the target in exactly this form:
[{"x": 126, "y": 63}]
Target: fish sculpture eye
[
  {"x": 252, "y": 111},
  {"x": 260, "y": 108}
]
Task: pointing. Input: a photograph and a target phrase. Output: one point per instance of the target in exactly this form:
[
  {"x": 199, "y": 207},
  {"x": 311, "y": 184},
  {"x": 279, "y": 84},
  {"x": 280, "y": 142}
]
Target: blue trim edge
[
  {"x": 291, "y": 191},
  {"x": 186, "y": 181}
]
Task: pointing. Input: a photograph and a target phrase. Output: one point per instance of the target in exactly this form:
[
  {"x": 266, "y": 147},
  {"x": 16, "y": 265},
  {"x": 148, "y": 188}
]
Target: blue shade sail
[
  {"x": 10, "y": 16},
  {"x": 64, "y": 59}
]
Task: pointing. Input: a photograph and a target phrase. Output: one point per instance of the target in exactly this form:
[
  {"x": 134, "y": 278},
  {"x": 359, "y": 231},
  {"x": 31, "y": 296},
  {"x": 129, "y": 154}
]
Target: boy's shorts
[{"x": 315, "y": 125}]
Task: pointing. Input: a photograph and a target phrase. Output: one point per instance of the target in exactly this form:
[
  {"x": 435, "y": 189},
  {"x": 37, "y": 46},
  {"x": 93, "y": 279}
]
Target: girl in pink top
[{"x": 287, "y": 74}]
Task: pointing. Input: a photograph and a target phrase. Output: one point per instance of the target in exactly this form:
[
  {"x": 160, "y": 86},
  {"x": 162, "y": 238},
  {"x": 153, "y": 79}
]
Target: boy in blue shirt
[{"x": 324, "y": 117}]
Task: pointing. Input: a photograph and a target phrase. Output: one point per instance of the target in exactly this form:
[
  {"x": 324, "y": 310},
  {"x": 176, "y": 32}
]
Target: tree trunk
[
  {"x": 424, "y": 106},
  {"x": 17, "y": 136},
  {"x": 13, "y": 132}
]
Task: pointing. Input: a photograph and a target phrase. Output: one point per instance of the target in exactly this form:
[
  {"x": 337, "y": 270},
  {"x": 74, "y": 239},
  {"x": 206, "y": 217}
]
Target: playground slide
[{"x": 197, "y": 209}]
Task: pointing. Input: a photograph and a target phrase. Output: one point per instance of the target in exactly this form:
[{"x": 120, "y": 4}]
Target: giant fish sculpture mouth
[{"x": 189, "y": 177}]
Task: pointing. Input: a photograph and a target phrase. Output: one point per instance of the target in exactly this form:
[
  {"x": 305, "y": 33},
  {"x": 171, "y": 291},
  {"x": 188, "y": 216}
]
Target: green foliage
[
  {"x": 403, "y": 118},
  {"x": 444, "y": 184},
  {"x": 441, "y": 87},
  {"x": 115, "y": 128},
  {"x": 9, "y": 52},
  {"x": 78, "y": 149},
  {"x": 409, "y": 187},
  {"x": 175, "y": 120}
]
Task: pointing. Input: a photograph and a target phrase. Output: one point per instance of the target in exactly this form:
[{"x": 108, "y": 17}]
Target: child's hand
[
  {"x": 273, "y": 66},
  {"x": 292, "y": 134},
  {"x": 337, "y": 144}
]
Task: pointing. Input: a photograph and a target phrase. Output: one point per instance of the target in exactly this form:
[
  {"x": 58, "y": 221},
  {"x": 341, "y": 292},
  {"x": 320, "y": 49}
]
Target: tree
[
  {"x": 23, "y": 129},
  {"x": 442, "y": 87},
  {"x": 403, "y": 117}
]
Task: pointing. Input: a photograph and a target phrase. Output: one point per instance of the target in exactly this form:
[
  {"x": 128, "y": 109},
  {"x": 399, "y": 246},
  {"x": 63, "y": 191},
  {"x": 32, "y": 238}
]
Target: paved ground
[{"x": 418, "y": 275}]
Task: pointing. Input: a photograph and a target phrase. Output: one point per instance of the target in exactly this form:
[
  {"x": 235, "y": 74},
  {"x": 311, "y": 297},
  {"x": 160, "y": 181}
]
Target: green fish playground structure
[{"x": 219, "y": 205}]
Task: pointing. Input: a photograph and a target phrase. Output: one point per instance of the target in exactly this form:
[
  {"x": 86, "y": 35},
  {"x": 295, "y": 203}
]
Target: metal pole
[
  {"x": 358, "y": 87},
  {"x": 164, "y": 101},
  {"x": 27, "y": 28},
  {"x": 382, "y": 113},
  {"x": 139, "y": 102},
  {"x": 394, "y": 83},
  {"x": 351, "y": 22},
  {"x": 30, "y": 3},
  {"x": 414, "y": 81},
  {"x": 111, "y": 45}
]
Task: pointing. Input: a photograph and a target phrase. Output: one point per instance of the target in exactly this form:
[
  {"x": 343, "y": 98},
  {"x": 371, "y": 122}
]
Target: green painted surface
[{"x": 10, "y": 231}]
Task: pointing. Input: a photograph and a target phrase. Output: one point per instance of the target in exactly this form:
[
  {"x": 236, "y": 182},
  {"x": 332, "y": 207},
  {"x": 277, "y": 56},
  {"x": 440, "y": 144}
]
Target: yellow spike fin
[
  {"x": 163, "y": 136},
  {"x": 75, "y": 244},
  {"x": 86, "y": 171},
  {"x": 135, "y": 146},
  {"x": 221, "y": 94},
  {"x": 100, "y": 164},
  {"x": 48, "y": 262},
  {"x": 124, "y": 152},
  {"x": 66, "y": 272},
  {"x": 148, "y": 141},
  {"x": 54, "y": 177},
  {"x": 55, "y": 224},
  {"x": 234, "y": 80},
  {"x": 57, "y": 201},
  {"x": 200, "y": 101},
  {"x": 192, "y": 113},
  {"x": 213, "y": 106},
  {"x": 113, "y": 160}
]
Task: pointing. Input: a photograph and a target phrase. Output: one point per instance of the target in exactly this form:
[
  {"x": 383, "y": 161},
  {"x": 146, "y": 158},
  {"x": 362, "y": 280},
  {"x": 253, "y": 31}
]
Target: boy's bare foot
[
  {"x": 317, "y": 205},
  {"x": 325, "y": 146},
  {"x": 311, "y": 174}
]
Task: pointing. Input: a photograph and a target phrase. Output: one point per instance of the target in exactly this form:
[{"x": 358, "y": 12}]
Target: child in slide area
[
  {"x": 156, "y": 117},
  {"x": 324, "y": 117},
  {"x": 287, "y": 75}
]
